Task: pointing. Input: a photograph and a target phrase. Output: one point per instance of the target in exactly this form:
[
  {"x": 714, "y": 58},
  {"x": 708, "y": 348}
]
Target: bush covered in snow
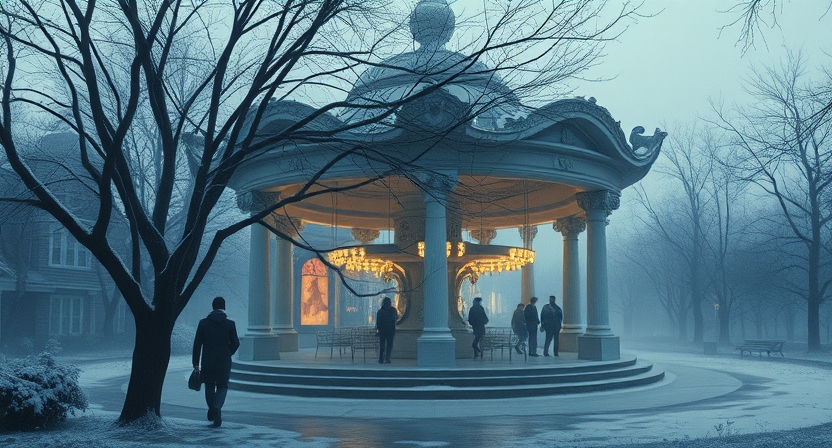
[
  {"x": 182, "y": 338},
  {"x": 36, "y": 391}
]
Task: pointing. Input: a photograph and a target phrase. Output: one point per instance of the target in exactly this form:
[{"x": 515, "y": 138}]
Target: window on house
[
  {"x": 66, "y": 315},
  {"x": 65, "y": 251}
]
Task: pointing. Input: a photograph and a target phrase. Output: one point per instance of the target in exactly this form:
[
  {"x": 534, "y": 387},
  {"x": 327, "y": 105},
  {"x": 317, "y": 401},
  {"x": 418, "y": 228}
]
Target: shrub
[
  {"x": 37, "y": 391},
  {"x": 182, "y": 338}
]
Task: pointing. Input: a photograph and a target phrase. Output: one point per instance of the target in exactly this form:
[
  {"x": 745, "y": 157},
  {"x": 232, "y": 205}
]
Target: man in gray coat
[
  {"x": 216, "y": 339},
  {"x": 551, "y": 318}
]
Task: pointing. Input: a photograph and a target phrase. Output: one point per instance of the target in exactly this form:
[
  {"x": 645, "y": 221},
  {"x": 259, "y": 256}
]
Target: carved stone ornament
[
  {"x": 437, "y": 185},
  {"x": 645, "y": 146},
  {"x": 409, "y": 231},
  {"x": 484, "y": 236},
  {"x": 256, "y": 201},
  {"x": 571, "y": 226},
  {"x": 453, "y": 229},
  {"x": 286, "y": 225},
  {"x": 605, "y": 200},
  {"x": 365, "y": 235},
  {"x": 438, "y": 111},
  {"x": 527, "y": 233},
  {"x": 432, "y": 23}
]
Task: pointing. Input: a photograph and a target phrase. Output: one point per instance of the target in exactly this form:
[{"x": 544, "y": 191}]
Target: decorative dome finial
[{"x": 432, "y": 23}]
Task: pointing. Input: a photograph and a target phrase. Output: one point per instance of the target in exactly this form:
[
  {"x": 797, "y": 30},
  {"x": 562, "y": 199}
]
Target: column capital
[
  {"x": 484, "y": 236},
  {"x": 601, "y": 200},
  {"x": 570, "y": 226},
  {"x": 286, "y": 225},
  {"x": 254, "y": 201},
  {"x": 437, "y": 185},
  {"x": 527, "y": 233},
  {"x": 365, "y": 235}
]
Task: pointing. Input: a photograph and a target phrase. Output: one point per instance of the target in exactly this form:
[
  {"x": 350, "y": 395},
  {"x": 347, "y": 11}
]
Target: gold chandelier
[
  {"x": 355, "y": 259},
  {"x": 460, "y": 249},
  {"x": 515, "y": 259}
]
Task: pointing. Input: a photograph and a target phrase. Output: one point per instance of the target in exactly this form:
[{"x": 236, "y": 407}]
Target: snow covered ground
[{"x": 770, "y": 395}]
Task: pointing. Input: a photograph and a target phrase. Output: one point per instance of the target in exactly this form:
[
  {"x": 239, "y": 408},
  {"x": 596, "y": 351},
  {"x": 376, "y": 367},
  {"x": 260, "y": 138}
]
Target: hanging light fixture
[{"x": 355, "y": 259}]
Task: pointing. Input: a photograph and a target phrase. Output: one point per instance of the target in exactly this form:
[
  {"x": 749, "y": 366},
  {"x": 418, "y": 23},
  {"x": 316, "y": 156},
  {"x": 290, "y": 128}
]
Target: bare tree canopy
[{"x": 200, "y": 75}]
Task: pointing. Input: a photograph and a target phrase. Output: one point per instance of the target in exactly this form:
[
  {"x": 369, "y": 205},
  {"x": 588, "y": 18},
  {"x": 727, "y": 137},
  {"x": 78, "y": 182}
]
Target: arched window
[{"x": 314, "y": 294}]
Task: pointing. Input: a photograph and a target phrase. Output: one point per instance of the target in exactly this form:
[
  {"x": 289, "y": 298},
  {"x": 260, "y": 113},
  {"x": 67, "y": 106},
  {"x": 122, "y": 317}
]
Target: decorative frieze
[
  {"x": 571, "y": 226},
  {"x": 409, "y": 231},
  {"x": 437, "y": 185}
]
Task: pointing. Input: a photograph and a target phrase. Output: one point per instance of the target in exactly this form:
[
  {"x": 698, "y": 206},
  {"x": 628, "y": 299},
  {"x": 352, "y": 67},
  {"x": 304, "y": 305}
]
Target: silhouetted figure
[
  {"x": 532, "y": 321},
  {"x": 386, "y": 319},
  {"x": 518, "y": 324},
  {"x": 551, "y": 318},
  {"x": 216, "y": 339},
  {"x": 477, "y": 319}
]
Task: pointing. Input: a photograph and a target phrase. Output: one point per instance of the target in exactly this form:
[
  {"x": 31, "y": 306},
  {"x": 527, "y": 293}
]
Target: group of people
[
  {"x": 216, "y": 341},
  {"x": 525, "y": 322}
]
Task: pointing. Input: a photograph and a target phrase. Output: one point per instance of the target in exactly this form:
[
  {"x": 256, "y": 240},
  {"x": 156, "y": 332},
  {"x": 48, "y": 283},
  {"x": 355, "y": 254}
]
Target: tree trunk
[
  {"x": 724, "y": 325},
  {"x": 814, "y": 325},
  {"x": 151, "y": 357},
  {"x": 110, "y": 309}
]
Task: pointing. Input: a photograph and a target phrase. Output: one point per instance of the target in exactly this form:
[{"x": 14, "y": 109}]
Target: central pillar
[
  {"x": 573, "y": 325},
  {"x": 598, "y": 343},
  {"x": 527, "y": 233},
  {"x": 436, "y": 347}
]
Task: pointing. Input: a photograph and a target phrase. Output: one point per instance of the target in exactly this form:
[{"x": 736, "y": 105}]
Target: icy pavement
[{"x": 702, "y": 396}]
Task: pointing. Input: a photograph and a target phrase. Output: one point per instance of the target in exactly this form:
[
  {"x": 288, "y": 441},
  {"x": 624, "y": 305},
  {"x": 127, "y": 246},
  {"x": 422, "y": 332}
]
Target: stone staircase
[{"x": 484, "y": 381}]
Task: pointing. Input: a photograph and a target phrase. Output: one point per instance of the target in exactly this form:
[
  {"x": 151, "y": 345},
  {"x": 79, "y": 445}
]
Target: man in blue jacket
[{"x": 216, "y": 339}]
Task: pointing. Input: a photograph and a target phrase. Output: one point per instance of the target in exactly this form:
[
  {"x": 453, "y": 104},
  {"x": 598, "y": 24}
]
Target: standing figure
[
  {"x": 477, "y": 319},
  {"x": 216, "y": 340},
  {"x": 532, "y": 321},
  {"x": 551, "y": 318},
  {"x": 518, "y": 324},
  {"x": 386, "y": 319}
]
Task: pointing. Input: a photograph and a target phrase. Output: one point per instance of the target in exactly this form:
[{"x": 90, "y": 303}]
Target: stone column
[
  {"x": 598, "y": 343},
  {"x": 573, "y": 325},
  {"x": 527, "y": 272},
  {"x": 436, "y": 346},
  {"x": 258, "y": 343},
  {"x": 283, "y": 286}
]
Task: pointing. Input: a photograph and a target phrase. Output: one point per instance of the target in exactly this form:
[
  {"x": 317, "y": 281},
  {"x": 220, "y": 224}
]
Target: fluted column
[
  {"x": 436, "y": 345},
  {"x": 258, "y": 343},
  {"x": 527, "y": 272},
  {"x": 573, "y": 325},
  {"x": 283, "y": 287},
  {"x": 598, "y": 342}
]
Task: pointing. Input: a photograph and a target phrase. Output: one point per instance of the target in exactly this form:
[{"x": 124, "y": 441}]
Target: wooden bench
[{"x": 760, "y": 346}]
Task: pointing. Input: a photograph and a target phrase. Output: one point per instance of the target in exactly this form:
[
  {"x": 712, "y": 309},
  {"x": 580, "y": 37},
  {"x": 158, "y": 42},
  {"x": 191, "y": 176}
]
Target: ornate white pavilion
[{"x": 467, "y": 158}]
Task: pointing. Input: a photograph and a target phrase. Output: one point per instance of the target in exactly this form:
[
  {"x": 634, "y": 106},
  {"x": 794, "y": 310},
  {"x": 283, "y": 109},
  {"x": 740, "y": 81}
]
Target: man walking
[
  {"x": 532, "y": 321},
  {"x": 216, "y": 339},
  {"x": 386, "y": 319},
  {"x": 551, "y": 318},
  {"x": 518, "y": 324}
]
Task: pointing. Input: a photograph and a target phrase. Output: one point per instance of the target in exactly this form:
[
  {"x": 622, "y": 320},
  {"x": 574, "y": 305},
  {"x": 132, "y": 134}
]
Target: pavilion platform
[{"x": 496, "y": 375}]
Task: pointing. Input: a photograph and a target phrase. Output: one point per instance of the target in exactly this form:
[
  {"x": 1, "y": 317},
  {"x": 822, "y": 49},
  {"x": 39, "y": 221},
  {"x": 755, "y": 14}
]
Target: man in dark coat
[
  {"x": 477, "y": 319},
  {"x": 518, "y": 324},
  {"x": 216, "y": 339},
  {"x": 551, "y": 318},
  {"x": 386, "y": 319},
  {"x": 532, "y": 321}
]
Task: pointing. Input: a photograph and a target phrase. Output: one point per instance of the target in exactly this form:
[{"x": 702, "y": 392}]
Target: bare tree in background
[
  {"x": 685, "y": 225},
  {"x": 256, "y": 50},
  {"x": 788, "y": 154}
]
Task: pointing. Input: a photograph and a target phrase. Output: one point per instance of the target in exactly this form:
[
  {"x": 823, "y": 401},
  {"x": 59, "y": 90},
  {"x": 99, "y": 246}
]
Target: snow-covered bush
[
  {"x": 36, "y": 391},
  {"x": 182, "y": 338}
]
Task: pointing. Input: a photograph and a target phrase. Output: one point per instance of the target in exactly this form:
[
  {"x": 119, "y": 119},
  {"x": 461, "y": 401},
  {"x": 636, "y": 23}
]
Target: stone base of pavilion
[{"x": 359, "y": 375}]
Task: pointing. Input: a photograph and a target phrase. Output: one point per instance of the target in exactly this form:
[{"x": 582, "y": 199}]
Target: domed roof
[{"x": 395, "y": 78}]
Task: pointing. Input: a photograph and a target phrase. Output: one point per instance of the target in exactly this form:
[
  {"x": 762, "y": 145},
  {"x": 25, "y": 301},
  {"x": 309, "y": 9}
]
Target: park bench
[
  {"x": 502, "y": 339},
  {"x": 760, "y": 346}
]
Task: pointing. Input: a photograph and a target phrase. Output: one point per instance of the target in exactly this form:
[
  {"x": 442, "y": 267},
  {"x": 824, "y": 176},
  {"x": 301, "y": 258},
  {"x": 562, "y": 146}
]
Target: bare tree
[
  {"x": 685, "y": 225},
  {"x": 788, "y": 155},
  {"x": 257, "y": 50}
]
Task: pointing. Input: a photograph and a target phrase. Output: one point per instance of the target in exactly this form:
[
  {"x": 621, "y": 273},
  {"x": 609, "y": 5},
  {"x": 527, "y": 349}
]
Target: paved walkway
[{"x": 702, "y": 396}]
